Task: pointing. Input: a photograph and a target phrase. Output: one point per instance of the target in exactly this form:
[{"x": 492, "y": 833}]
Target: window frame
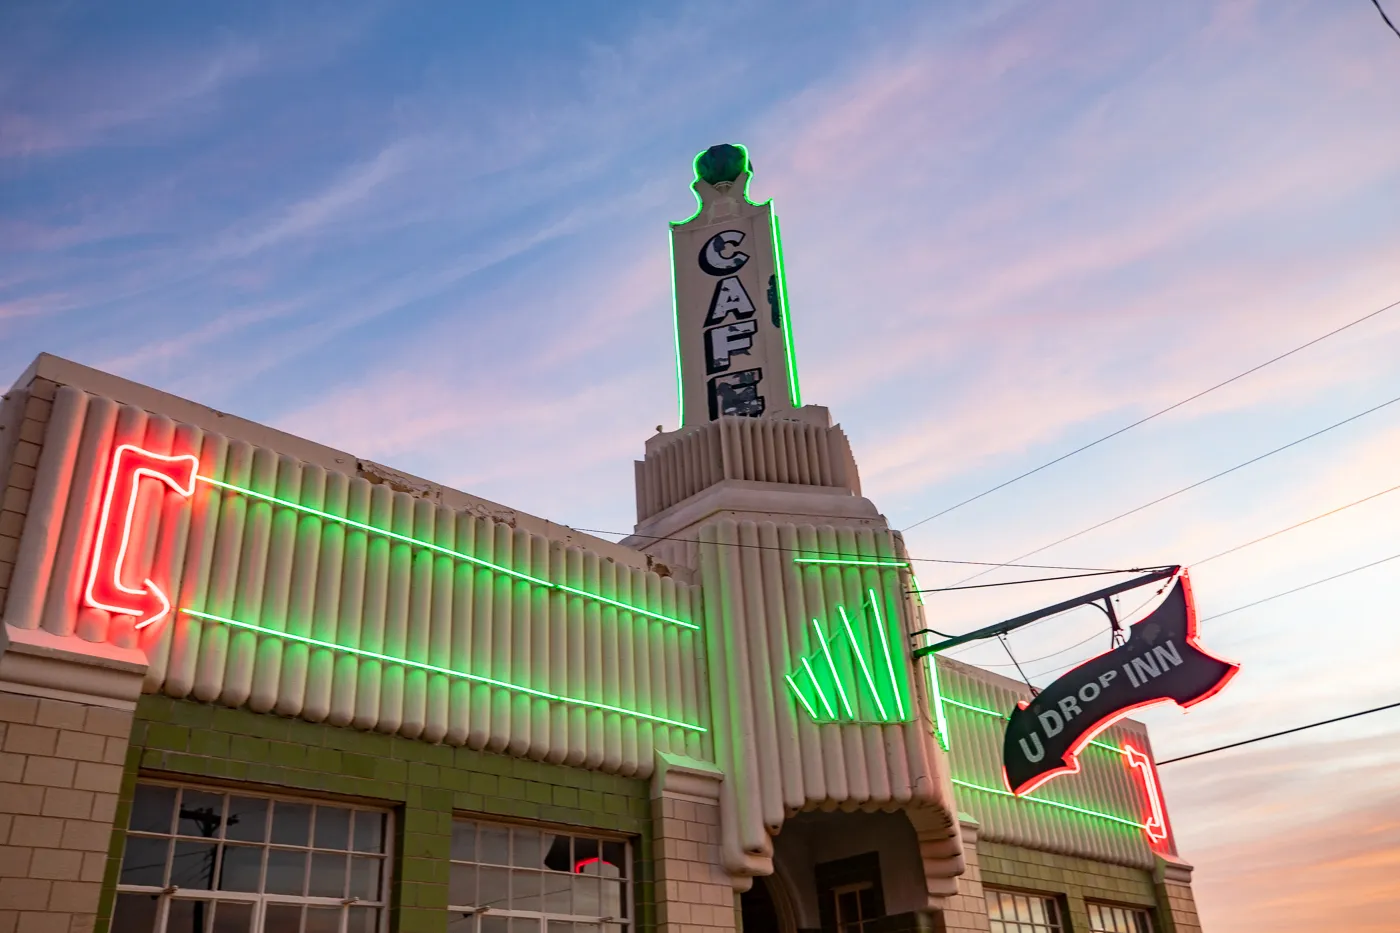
[
  {"x": 260, "y": 899},
  {"x": 1058, "y": 915},
  {"x": 626, "y": 923},
  {"x": 1138, "y": 910}
]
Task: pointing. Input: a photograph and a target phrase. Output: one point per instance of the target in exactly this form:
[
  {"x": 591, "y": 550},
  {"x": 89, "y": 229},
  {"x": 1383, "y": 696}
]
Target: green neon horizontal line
[
  {"x": 851, "y": 561},
  {"x": 448, "y": 552},
  {"x": 1051, "y": 803},
  {"x": 435, "y": 669},
  {"x": 1003, "y": 717}
]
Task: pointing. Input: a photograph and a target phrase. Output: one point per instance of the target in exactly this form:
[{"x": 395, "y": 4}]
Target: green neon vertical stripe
[
  {"x": 889, "y": 660},
  {"x": 821, "y": 694},
  {"x": 676, "y": 320},
  {"x": 781, "y": 272},
  {"x": 864, "y": 668},
  {"x": 840, "y": 690},
  {"x": 793, "y": 684},
  {"x": 940, "y": 716}
]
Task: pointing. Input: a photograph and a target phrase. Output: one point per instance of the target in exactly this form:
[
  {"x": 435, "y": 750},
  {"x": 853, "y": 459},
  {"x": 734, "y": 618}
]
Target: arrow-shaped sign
[
  {"x": 115, "y": 531},
  {"x": 1159, "y": 663}
]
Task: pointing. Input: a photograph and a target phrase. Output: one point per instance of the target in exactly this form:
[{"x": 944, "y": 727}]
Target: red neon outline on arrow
[{"x": 105, "y": 588}]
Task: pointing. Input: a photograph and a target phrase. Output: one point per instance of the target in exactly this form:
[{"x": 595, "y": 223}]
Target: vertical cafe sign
[{"x": 733, "y": 336}]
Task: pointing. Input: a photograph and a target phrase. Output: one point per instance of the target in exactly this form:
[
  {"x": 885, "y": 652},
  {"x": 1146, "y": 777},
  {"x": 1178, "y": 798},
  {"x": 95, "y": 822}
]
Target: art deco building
[{"x": 251, "y": 684}]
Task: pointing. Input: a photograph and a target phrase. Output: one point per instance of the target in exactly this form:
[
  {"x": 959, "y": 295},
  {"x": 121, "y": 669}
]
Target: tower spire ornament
[{"x": 733, "y": 332}]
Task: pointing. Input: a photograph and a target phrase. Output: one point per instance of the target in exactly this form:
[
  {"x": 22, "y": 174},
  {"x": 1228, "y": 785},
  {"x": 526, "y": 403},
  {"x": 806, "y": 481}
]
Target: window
[
  {"x": 855, "y": 904},
  {"x": 514, "y": 879},
  {"x": 1022, "y": 913},
  {"x": 200, "y": 860},
  {"x": 1106, "y": 918}
]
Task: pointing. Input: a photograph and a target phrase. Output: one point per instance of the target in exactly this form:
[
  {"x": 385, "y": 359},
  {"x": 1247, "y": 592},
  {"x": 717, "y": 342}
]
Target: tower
[{"x": 747, "y": 446}]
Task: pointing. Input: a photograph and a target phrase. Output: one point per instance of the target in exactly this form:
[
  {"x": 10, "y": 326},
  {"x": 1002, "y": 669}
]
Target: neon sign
[
  {"x": 1141, "y": 763},
  {"x": 106, "y": 588},
  {"x": 857, "y": 669},
  {"x": 1161, "y": 662}
]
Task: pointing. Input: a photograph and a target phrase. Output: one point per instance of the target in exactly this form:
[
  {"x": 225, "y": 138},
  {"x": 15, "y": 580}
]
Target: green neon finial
[{"x": 722, "y": 163}]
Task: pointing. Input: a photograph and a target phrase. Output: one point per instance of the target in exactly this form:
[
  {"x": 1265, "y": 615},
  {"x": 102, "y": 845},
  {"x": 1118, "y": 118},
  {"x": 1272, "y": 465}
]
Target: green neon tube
[
  {"x": 448, "y": 552},
  {"x": 433, "y": 668},
  {"x": 864, "y": 668},
  {"x": 793, "y": 684},
  {"x": 1003, "y": 717},
  {"x": 676, "y": 321},
  {"x": 821, "y": 694},
  {"x": 850, "y": 561},
  {"x": 840, "y": 690},
  {"x": 1051, "y": 803},
  {"x": 940, "y": 716},
  {"x": 889, "y": 660},
  {"x": 781, "y": 273}
]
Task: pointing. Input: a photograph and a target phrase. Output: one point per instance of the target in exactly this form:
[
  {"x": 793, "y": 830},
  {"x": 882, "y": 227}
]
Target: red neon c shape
[{"x": 105, "y": 589}]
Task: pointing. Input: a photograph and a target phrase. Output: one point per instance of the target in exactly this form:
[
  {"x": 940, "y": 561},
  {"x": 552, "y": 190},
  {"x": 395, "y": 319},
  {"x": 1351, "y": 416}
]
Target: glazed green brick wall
[
  {"x": 426, "y": 784},
  {"x": 1077, "y": 879}
]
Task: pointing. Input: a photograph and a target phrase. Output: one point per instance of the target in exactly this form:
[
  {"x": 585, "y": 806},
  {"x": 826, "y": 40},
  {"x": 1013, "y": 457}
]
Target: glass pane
[
  {"x": 281, "y": 918},
  {"x": 586, "y": 897},
  {"x": 527, "y": 848},
  {"x": 557, "y": 891},
  {"x": 327, "y": 875},
  {"x": 369, "y": 831},
  {"x": 362, "y": 920},
  {"x": 241, "y": 868},
  {"x": 464, "y": 842},
  {"x": 493, "y": 887},
  {"x": 493, "y": 845},
  {"x": 1037, "y": 910},
  {"x": 291, "y": 823},
  {"x": 461, "y": 886},
  {"x": 493, "y": 924},
  {"x": 332, "y": 828},
  {"x": 561, "y": 926},
  {"x": 201, "y": 814},
  {"x": 612, "y": 905},
  {"x": 524, "y": 925},
  {"x": 586, "y": 928},
  {"x": 144, "y": 861},
  {"x": 322, "y": 920},
  {"x": 365, "y": 872},
  {"x": 152, "y": 809},
  {"x": 461, "y": 923},
  {"x": 557, "y": 857},
  {"x": 188, "y": 916},
  {"x": 1023, "y": 909},
  {"x": 247, "y": 819},
  {"x": 525, "y": 890},
  {"x": 615, "y": 854},
  {"x": 232, "y": 917},
  {"x": 286, "y": 872},
  {"x": 585, "y": 853},
  {"x": 193, "y": 865},
  {"x": 135, "y": 913},
  {"x": 993, "y": 905}
]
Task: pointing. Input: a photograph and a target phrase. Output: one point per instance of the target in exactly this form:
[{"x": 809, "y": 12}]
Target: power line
[
  {"x": 1197, "y": 563},
  {"x": 1274, "y": 735},
  {"x": 1381, "y": 11},
  {"x": 1184, "y": 489},
  {"x": 920, "y": 560},
  {"x": 1305, "y": 586},
  {"x": 1157, "y": 414},
  {"x": 1067, "y": 576}
]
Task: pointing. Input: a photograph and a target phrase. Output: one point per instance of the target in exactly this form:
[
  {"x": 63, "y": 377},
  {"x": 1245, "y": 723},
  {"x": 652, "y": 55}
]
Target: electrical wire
[
  {"x": 1068, "y": 576},
  {"x": 1381, "y": 10},
  {"x": 1158, "y": 414},
  {"x": 917, "y": 560},
  {"x": 1171, "y": 495},
  {"x": 1274, "y": 735}
]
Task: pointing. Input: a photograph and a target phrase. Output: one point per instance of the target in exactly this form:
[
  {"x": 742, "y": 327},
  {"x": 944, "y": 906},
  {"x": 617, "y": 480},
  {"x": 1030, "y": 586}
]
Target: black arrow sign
[{"x": 1160, "y": 662}]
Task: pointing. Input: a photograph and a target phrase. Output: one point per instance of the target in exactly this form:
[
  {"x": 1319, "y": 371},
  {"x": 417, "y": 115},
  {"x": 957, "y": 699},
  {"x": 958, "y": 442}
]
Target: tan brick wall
[
  {"x": 1176, "y": 904},
  {"x": 1077, "y": 880},
  {"x": 26, "y": 415},
  {"x": 966, "y": 912},
  {"x": 694, "y": 893},
  {"x": 60, "y": 772}
]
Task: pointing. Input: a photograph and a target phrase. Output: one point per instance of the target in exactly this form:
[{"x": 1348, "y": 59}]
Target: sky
[{"x": 435, "y": 236}]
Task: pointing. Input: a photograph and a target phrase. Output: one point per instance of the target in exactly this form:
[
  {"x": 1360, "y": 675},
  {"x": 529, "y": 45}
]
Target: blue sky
[{"x": 437, "y": 238}]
